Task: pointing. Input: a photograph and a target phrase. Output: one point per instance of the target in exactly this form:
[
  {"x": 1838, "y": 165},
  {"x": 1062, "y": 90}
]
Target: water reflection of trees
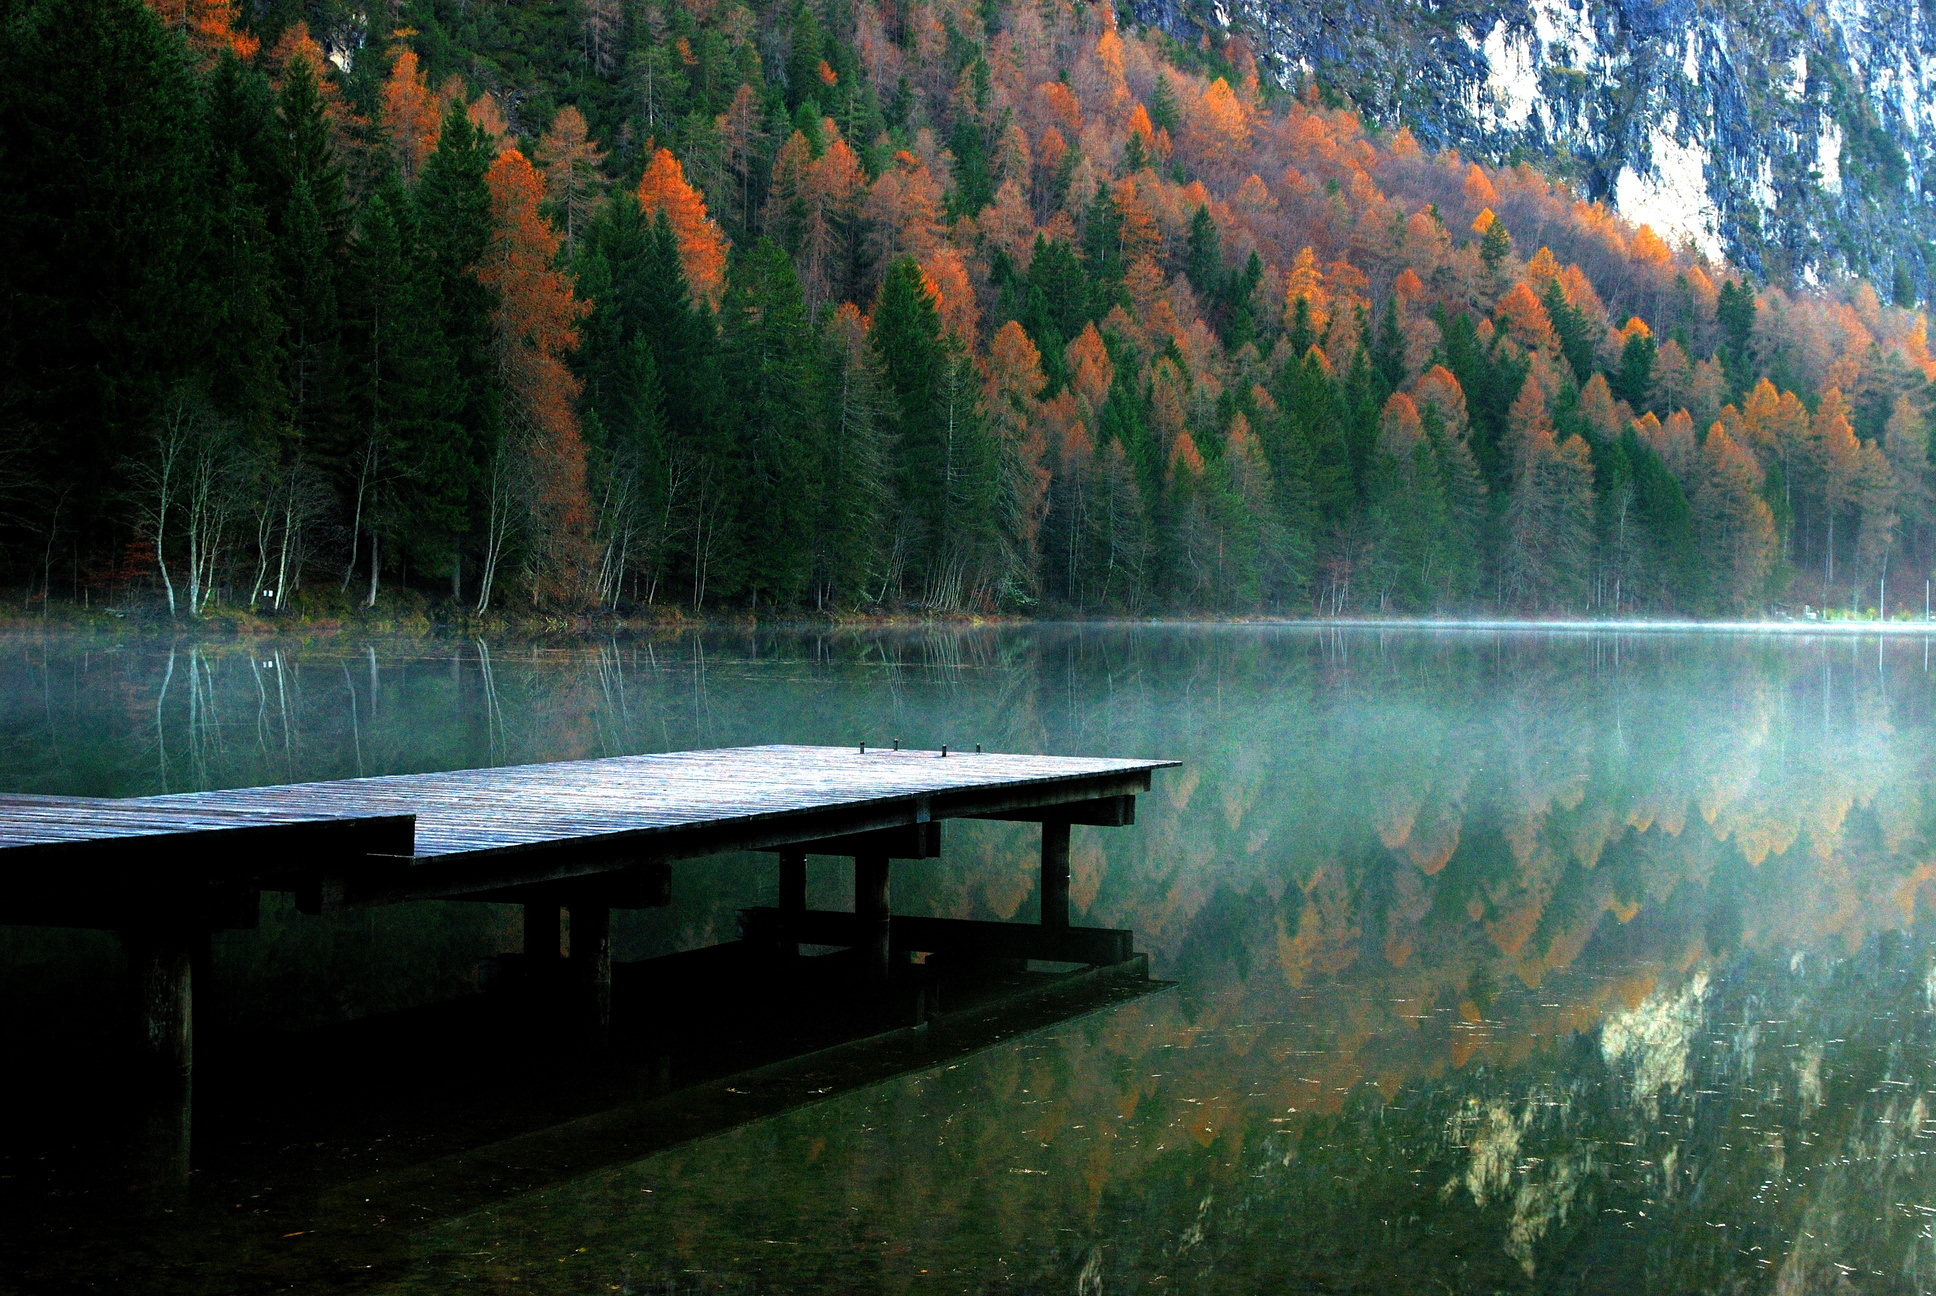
[{"x": 1406, "y": 882}]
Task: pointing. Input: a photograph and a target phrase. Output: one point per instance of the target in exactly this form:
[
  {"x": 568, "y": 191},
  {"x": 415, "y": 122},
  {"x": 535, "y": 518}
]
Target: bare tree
[
  {"x": 503, "y": 507},
  {"x": 189, "y": 486}
]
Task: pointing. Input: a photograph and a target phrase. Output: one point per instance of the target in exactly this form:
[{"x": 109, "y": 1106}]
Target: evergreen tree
[
  {"x": 1203, "y": 261},
  {"x": 1735, "y": 312},
  {"x": 767, "y": 357},
  {"x": 103, "y": 217},
  {"x": 1634, "y": 381},
  {"x": 1388, "y": 352},
  {"x": 454, "y": 231},
  {"x": 1570, "y": 325}
]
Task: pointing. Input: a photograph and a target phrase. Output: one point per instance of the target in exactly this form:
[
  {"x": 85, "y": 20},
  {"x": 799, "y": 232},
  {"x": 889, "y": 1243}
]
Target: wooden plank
[{"x": 476, "y": 832}]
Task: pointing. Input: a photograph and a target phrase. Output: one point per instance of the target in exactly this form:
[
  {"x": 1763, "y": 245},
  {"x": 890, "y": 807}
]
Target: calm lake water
[{"x": 1515, "y": 962}]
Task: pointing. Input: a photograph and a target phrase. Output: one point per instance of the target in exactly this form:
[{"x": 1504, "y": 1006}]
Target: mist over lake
[{"x": 1518, "y": 961}]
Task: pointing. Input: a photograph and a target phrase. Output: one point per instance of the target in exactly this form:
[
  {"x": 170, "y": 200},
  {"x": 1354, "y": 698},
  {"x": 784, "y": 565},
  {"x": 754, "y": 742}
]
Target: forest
[{"x": 918, "y": 307}]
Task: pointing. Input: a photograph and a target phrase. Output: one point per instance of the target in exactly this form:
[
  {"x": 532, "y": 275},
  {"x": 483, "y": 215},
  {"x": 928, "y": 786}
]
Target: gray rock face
[{"x": 1798, "y": 137}]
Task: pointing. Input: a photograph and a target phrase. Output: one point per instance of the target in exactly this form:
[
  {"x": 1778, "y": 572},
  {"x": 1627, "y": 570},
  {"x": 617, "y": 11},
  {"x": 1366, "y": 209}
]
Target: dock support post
[
  {"x": 870, "y": 905},
  {"x": 793, "y": 899},
  {"x": 591, "y": 960},
  {"x": 161, "y": 967},
  {"x": 1055, "y": 873}
]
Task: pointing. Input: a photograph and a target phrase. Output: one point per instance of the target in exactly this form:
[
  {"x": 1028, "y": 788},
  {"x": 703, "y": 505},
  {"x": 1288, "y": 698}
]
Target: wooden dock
[{"x": 585, "y": 837}]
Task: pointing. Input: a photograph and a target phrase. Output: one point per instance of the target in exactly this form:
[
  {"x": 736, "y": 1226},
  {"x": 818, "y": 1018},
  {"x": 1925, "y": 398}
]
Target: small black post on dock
[
  {"x": 870, "y": 906},
  {"x": 1055, "y": 873},
  {"x": 793, "y": 899}
]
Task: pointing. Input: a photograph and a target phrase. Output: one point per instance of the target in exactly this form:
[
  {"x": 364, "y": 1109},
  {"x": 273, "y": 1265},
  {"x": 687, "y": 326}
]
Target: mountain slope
[{"x": 1797, "y": 138}]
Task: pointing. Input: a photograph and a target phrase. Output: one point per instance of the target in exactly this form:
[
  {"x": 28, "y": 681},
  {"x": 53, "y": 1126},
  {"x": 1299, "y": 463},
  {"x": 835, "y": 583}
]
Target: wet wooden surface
[{"x": 480, "y": 829}]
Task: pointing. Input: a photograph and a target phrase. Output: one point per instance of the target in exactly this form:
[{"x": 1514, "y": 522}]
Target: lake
[{"x": 1503, "y": 961}]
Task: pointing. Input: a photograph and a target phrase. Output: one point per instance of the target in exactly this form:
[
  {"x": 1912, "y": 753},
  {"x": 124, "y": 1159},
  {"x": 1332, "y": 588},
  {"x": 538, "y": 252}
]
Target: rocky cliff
[{"x": 1797, "y": 137}]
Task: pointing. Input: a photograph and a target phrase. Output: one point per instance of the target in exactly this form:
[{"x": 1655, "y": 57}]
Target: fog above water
[{"x": 1505, "y": 959}]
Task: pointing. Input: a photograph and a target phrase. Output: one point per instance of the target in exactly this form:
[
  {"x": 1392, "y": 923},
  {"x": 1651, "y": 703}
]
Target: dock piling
[
  {"x": 591, "y": 961},
  {"x": 1055, "y": 873},
  {"x": 871, "y": 907},
  {"x": 161, "y": 964},
  {"x": 793, "y": 899}
]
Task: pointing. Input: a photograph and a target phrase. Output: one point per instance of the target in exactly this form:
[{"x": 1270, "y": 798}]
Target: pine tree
[
  {"x": 101, "y": 297},
  {"x": 767, "y": 356},
  {"x": 1203, "y": 263},
  {"x": 1388, "y": 352},
  {"x": 453, "y": 207}
]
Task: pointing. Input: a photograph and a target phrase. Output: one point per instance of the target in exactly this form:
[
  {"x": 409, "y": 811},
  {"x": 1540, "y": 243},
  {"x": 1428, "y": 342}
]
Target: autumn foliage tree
[
  {"x": 536, "y": 328},
  {"x": 1056, "y": 317},
  {"x": 702, "y": 248}
]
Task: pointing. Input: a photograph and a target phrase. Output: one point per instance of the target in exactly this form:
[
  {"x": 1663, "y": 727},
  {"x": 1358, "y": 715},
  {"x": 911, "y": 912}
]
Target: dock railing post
[
  {"x": 1055, "y": 873},
  {"x": 871, "y": 908}
]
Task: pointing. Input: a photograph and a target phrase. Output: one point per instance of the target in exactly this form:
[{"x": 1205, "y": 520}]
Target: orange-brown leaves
[
  {"x": 1437, "y": 388},
  {"x": 1090, "y": 367},
  {"x": 1543, "y": 268},
  {"x": 1139, "y": 126},
  {"x": 954, "y": 295},
  {"x": 412, "y": 115},
  {"x": 1220, "y": 124},
  {"x": 1598, "y": 408},
  {"x": 1837, "y": 452},
  {"x": 536, "y": 309},
  {"x": 1649, "y": 248},
  {"x": 1527, "y": 420},
  {"x": 1527, "y": 322},
  {"x": 1408, "y": 286},
  {"x": 1058, "y": 101},
  {"x": 208, "y": 26},
  {"x": 1185, "y": 459},
  {"x": 1012, "y": 381},
  {"x": 1306, "y": 284},
  {"x": 1014, "y": 366},
  {"x": 535, "y": 325},
  {"x": 487, "y": 115},
  {"x": 1140, "y": 235},
  {"x": 702, "y": 248},
  {"x": 903, "y": 211},
  {"x": 1478, "y": 190},
  {"x": 1400, "y": 431},
  {"x": 571, "y": 162}
]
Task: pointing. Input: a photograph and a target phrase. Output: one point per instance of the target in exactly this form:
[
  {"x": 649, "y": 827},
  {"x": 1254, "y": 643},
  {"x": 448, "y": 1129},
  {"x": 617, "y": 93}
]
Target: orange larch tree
[
  {"x": 702, "y": 248},
  {"x": 535, "y": 326},
  {"x": 412, "y": 116},
  {"x": 571, "y": 160}
]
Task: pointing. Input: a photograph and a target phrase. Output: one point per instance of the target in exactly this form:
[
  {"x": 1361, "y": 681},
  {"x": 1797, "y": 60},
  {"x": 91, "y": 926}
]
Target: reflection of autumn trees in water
[
  {"x": 1504, "y": 962},
  {"x": 1437, "y": 905}
]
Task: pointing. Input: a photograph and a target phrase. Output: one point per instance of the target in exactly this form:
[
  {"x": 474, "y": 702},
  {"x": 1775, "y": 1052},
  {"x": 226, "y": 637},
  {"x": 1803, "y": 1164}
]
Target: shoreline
[{"x": 235, "y": 625}]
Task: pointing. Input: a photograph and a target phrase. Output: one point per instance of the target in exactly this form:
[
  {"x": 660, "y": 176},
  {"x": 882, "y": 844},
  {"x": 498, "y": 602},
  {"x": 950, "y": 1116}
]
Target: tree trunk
[{"x": 376, "y": 568}]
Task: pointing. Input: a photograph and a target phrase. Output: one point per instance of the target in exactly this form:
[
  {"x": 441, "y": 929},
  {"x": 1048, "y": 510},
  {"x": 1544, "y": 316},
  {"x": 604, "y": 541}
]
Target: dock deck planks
[
  {"x": 166, "y": 870},
  {"x": 486, "y": 829}
]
